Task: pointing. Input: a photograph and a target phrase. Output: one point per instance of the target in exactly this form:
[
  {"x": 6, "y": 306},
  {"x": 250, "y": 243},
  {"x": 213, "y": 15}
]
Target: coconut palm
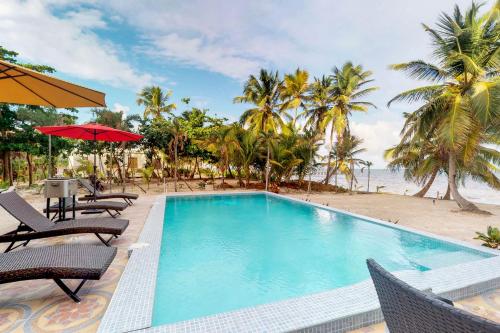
[
  {"x": 223, "y": 144},
  {"x": 155, "y": 101},
  {"x": 345, "y": 156},
  {"x": 319, "y": 102},
  {"x": 368, "y": 165},
  {"x": 265, "y": 118},
  {"x": 294, "y": 92},
  {"x": 462, "y": 107},
  {"x": 349, "y": 85},
  {"x": 176, "y": 143},
  {"x": 248, "y": 152}
]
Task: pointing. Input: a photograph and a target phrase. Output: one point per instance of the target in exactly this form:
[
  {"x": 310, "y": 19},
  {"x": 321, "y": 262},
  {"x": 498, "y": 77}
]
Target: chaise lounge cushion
[{"x": 79, "y": 261}]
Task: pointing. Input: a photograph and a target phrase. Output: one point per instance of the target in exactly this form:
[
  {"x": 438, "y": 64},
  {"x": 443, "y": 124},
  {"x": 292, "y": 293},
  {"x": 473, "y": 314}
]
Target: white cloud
[
  {"x": 377, "y": 137},
  {"x": 203, "y": 54},
  {"x": 67, "y": 42},
  {"x": 117, "y": 107}
]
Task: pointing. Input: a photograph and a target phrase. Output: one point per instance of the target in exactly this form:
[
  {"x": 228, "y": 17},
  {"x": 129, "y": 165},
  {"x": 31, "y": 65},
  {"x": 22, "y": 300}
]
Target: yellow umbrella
[{"x": 20, "y": 85}]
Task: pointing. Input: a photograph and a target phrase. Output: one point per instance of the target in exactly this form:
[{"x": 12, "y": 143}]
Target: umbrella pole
[
  {"x": 111, "y": 170},
  {"x": 49, "y": 172},
  {"x": 95, "y": 165}
]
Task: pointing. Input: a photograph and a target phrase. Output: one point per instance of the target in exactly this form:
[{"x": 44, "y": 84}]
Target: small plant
[
  {"x": 147, "y": 174},
  {"x": 491, "y": 238}
]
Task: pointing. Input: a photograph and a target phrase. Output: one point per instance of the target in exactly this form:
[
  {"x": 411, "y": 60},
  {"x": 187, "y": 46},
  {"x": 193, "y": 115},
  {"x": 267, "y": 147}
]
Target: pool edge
[{"x": 336, "y": 310}]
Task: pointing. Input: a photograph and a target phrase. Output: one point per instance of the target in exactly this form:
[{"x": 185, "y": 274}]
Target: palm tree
[
  {"x": 176, "y": 143},
  {"x": 294, "y": 92},
  {"x": 265, "y": 117},
  {"x": 348, "y": 86},
  {"x": 306, "y": 149},
  {"x": 461, "y": 109},
  {"x": 319, "y": 102},
  {"x": 223, "y": 144},
  {"x": 248, "y": 152},
  {"x": 155, "y": 101},
  {"x": 368, "y": 165},
  {"x": 345, "y": 155}
]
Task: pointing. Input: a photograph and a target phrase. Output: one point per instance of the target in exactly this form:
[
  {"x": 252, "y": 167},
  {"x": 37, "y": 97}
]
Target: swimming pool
[{"x": 226, "y": 252}]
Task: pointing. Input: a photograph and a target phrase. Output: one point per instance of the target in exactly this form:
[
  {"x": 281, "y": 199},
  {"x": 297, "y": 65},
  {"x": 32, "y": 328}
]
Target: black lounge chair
[
  {"x": 128, "y": 197},
  {"x": 409, "y": 310},
  {"x": 78, "y": 261},
  {"x": 108, "y": 206},
  {"x": 33, "y": 225}
]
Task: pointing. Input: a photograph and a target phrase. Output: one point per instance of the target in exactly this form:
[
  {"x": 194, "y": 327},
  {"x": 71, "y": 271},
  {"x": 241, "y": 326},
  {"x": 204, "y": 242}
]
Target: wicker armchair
[{"x": 409, "y": 310}]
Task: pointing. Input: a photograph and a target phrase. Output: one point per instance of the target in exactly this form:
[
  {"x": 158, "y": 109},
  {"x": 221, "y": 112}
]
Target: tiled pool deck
[
  {"x": 336, "y": 310},
  {"x": 39, "y": 306}
]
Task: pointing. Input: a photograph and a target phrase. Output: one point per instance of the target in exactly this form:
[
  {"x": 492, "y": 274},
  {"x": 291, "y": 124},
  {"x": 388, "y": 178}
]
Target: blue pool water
[{"x": 226, "y": 252}]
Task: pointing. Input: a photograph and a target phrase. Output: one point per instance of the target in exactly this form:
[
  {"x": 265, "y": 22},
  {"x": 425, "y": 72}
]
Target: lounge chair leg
[
  {"x": 69, "y": 292},
  {"x": 106, "y": 242},
  {"x": 111, "y": 214}
]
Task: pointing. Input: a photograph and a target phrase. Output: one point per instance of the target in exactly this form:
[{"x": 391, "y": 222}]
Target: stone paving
[{"x": 40, "y": 306}]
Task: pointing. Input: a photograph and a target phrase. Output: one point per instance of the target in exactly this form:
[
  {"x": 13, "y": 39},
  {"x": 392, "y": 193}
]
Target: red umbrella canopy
[{"x": 90, "y": 131}]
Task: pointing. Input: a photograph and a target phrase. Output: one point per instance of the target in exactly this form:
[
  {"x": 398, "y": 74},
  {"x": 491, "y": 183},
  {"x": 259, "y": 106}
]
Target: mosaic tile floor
[{"x": 40, "y": 306}]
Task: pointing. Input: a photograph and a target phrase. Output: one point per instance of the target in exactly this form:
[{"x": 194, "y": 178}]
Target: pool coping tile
[{"x": 336, "y": 310}]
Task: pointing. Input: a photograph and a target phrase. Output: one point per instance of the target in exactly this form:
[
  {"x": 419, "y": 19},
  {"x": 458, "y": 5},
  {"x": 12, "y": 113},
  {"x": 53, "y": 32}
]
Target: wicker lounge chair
[
  {"x": 78, "y": 261},
  {"x": 409, "y": 310},
  {"x": 33, "y": 225},
  {"x": 128, "y": 197},
  {"x": 108, "y": 206}
]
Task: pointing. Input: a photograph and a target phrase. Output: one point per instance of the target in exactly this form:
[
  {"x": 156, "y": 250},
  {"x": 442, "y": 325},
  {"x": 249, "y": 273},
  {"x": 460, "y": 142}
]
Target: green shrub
[{"x": 491, "y": 238}]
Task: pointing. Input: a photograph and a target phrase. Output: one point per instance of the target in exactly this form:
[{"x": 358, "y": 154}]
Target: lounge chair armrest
[{"x": 442, "y": 299}]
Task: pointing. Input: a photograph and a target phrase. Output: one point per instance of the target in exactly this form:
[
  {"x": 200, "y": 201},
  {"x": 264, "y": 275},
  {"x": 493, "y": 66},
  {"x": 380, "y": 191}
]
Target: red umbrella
[{"x": 90, "y": 131}]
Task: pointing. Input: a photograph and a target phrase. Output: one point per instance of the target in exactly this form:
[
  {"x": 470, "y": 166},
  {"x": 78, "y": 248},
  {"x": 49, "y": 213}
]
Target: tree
[
  {"x": 461, "y": 108},
  {"x": 368, "y": 165},
  {"x": 294, "y": 91},
  {"x": 176, "y": 143},
  {"x": 348, "y": 86},
  {"x": 155, "y": 101},
  {"x": 265, "y": 117},
  {"x": 223, "y": 143}
]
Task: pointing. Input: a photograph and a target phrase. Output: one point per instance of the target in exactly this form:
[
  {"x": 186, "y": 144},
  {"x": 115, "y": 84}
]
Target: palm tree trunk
[
  {"x": 368, "y": 188},
  {"x": 423, "y": 191},
  {"x": 268, "y": 165},
  {"x": 247, "y": 176},
  {"x": 7, "y": 170},
  {"x": 310, "y": 171},
  {"x": 175, "y": 165},
  {"x": 463, "y": 203},
  {"x": 352, "y": 177},
  {"x": 447, "y": 196},
  {"x": 328, "y": 167},
  {"x": 30, "y": 169}
]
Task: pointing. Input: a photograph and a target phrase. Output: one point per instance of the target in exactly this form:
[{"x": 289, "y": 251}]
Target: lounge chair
[
  {"x": 409, "y": 310},
  {"x": 128, "y": 197},
  {"x": 33, "y": 225},
  {"x": 76, "y": 261},
  {"x": 108, "y": 206}
]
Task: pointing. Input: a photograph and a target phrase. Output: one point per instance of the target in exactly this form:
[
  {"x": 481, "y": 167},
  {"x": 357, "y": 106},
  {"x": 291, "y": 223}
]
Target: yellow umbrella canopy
[{"x": 20, "y": 85}]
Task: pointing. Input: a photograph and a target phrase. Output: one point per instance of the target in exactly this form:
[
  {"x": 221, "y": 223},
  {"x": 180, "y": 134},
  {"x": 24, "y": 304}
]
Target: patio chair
[
  {"x": 128, "y": 197},
  {"x": 409, "y": 310},
  {"x": 76, "y": 261},
  {"x": 108, "y": 206},
  {"x": 33, "y": 225}
]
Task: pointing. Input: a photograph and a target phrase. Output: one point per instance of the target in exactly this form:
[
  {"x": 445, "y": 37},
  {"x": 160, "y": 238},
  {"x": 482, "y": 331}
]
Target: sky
[{"x": 205, "y": 49}]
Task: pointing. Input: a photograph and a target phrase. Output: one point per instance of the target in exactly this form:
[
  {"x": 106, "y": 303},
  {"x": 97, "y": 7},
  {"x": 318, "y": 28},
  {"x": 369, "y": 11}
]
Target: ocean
[{"x": 394, "y": 182}]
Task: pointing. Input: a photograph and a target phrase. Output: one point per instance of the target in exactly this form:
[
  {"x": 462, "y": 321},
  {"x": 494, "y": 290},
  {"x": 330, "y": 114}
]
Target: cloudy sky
[{"x": 204, "y": 49}]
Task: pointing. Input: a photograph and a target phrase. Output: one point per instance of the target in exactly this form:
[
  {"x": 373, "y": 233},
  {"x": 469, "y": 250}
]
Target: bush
[{"x": 491, "y": 238}]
